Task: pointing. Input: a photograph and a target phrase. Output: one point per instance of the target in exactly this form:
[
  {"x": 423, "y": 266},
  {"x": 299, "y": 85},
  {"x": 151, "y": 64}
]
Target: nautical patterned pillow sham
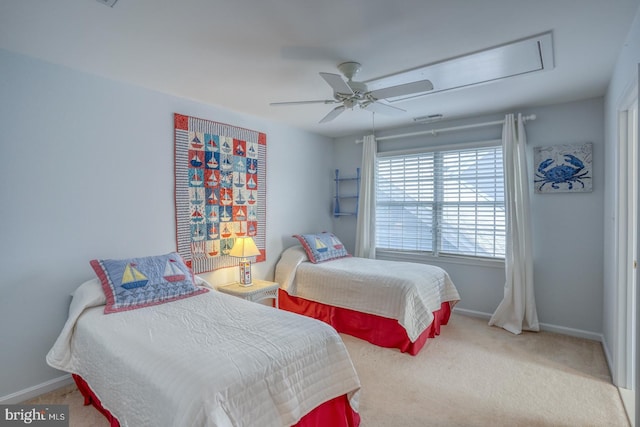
[
  {"x": 321, "y": 247},
  {"x": 140, "y": 282}
]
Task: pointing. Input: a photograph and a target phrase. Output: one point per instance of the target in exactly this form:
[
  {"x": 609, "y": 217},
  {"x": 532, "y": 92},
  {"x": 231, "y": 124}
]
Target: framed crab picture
[{"x": 563, "y": 168}]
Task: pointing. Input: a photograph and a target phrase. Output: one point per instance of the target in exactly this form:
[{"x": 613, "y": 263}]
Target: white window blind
[{"x": 442, "y": 202}]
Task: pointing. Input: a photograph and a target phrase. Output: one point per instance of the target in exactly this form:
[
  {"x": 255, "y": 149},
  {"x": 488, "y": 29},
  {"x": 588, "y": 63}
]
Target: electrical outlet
[{"x": 109, "y": 3}]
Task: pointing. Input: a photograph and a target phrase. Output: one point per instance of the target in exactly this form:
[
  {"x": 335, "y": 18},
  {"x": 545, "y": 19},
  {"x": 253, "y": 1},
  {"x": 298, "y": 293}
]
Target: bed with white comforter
[
  {"x": 407, "y": 292},
  {"x": 207, "y": 360}
]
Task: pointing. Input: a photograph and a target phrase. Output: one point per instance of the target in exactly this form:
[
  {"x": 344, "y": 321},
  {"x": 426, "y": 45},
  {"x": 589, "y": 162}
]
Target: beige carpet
[{"x": 471, "y": 375}]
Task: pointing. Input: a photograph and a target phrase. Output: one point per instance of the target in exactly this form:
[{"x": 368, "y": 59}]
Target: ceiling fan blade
[
  {"x": 333, "y": 114},
  {"x": 401, "y": 90},
  {"x": 320, "y": 101},
  {"x": 379, "y": 107},
  {"x": 337, "y": 83}
]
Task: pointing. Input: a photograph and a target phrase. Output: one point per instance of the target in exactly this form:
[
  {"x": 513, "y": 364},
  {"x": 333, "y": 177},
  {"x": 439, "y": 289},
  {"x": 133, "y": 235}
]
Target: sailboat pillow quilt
[
  {"x": 321, "y": 247},
  {"x": 140, "y": 282}
]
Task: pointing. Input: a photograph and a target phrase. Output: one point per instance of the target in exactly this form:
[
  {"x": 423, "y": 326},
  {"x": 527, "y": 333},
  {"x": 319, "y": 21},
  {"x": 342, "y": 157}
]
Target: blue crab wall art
[{"x": 563, "y": 168}]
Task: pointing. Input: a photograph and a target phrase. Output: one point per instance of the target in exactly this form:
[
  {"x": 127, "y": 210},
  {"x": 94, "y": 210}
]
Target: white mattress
[
  {"x": 405, "y": 291},
  {"x": 208, "y": 360}
]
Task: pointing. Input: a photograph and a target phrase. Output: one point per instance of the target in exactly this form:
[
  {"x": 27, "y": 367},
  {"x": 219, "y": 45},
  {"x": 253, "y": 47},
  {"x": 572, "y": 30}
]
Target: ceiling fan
[{"x": 352, "y": 94}]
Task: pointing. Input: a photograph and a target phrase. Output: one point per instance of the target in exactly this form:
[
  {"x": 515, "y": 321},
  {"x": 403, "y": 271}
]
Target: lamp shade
[{"x": 244, "y": 247}]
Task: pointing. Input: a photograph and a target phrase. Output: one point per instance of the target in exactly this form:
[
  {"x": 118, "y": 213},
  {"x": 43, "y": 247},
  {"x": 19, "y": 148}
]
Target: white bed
[
  {"x": 409, "y": 293},
  {"x": 207, "y": 360}
]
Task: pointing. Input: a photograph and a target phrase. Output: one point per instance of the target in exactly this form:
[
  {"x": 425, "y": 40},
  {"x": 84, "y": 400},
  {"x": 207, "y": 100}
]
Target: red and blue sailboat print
[
  {"x": 212, "y": 181},
  {"x": 196, "y": 233},
  {"x": 212, "y": 163},
  {"x": 213, "y": 232},
  {"x": 195, "y": 142},
  {"x": 226, "y": 213},
  {"x": 226, "y": 164},
  {"x": 239, "y": 199},
  {"x": 240, "y": 215},
  {"x": 226, "y": 246},
  {"x": 132, "y": 277},
  {"x": 226, "y": 147},
  {"x": 196, "y": 216},
  {"x": 251, "y": 183},
  {"x": 252, "y": 166},
  {"x": 225, "y": 198},
  {"x": 212, "y": 199},
  {"x": 172, "y": 273},
  {"x": 211, "y": 142},
  {"x": 226, "y": 232},
  {"x": 213, "y": 248},
  {"x": 196, "y": 162},
  {"x": 195, "y": 177},
  {"x": 239, "y": 182},
  {"x": 240, "y": 232}
]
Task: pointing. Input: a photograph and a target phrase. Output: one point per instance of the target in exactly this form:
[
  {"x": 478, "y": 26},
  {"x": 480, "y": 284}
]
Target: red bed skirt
[
  {"x": 378, "y": 330},
  {"x": 335, "y": 412},
  {"x": 91, "y": 398}
]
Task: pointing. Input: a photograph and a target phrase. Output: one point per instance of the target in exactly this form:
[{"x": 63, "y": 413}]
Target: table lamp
[{"x": 244, "y": 247}]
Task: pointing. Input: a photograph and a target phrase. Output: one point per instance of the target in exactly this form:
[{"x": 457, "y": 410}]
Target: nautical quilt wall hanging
[{"x": 220, "y": 191}]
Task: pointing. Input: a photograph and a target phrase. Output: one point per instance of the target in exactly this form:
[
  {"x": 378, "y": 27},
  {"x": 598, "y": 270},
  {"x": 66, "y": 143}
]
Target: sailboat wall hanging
[{"x": 220, "y": 191}]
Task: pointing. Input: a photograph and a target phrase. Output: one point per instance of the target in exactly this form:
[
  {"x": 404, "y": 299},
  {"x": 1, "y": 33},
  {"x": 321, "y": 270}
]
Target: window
[{"x": 442, "y": 202}]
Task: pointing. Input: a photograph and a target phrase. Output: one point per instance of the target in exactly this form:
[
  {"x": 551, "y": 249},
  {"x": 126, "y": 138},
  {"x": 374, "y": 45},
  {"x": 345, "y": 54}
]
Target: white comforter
[
  {"x": 405, "y": 291},
  {"x": 207, "y": 360}
]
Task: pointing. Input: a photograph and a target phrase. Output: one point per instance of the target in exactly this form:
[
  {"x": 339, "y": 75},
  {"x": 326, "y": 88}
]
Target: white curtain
[
  {"x": 366, "y": 222},
  {"x": 517, "y": 311}
]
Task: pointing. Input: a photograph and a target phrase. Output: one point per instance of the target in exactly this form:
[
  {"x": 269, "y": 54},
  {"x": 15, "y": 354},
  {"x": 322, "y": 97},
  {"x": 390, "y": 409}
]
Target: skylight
[{"x": 525, "y": 56}]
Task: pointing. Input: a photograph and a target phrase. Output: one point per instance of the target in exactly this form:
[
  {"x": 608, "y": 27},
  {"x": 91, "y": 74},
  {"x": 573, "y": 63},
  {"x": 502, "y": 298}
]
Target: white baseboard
[
  {"x": 629, "y": 402},
  {"x": 578, "y": 333},
  {"x": 37, "y": 390},
  {"x": 609, "y": 359},
  {"x": 472, "y": 313}
]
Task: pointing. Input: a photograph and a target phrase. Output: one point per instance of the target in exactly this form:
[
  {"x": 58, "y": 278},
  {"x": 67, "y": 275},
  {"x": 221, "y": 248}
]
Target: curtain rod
[{"x": 435, "y": 132}]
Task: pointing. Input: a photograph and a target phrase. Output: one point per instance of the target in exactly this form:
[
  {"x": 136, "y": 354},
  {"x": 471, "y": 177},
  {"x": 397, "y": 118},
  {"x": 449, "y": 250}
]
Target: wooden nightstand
[{"x": 260, "y": 290}]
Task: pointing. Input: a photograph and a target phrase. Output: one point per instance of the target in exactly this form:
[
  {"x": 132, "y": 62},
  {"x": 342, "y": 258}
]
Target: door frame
[{"x": 626, "y": 247}]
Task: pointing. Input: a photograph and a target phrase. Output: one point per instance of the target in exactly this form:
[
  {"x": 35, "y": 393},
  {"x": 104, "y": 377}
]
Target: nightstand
[{"x": 260, "y": 290}]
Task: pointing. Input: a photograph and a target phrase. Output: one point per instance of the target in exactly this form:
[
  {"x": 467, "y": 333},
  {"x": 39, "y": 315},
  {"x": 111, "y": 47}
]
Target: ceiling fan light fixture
[
  {"x": 350, "y": 103},
  {"x": 349, "y": 69}
]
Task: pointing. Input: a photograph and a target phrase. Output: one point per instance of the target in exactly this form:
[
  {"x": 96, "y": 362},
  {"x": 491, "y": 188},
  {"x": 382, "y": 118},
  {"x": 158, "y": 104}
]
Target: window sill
[{"x": 424, "y": 258}]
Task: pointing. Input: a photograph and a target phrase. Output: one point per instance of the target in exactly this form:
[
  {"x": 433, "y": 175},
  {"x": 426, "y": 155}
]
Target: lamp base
[{"x": 245, "y": 273}]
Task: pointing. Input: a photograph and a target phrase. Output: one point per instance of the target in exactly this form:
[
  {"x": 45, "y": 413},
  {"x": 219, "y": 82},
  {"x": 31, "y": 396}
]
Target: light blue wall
[
  {"x": 86, "y": 171},
  {"x": 567, "y": 228},
  {"x": 624, "y": 75}
]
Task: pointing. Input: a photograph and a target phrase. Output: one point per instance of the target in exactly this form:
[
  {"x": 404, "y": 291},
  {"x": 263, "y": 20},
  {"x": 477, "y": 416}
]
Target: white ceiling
[{"x": 243, "y": 54}]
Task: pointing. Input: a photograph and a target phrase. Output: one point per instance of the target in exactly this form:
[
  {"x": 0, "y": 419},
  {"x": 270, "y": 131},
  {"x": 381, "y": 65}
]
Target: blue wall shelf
[{"x": 347, "y": 191}]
